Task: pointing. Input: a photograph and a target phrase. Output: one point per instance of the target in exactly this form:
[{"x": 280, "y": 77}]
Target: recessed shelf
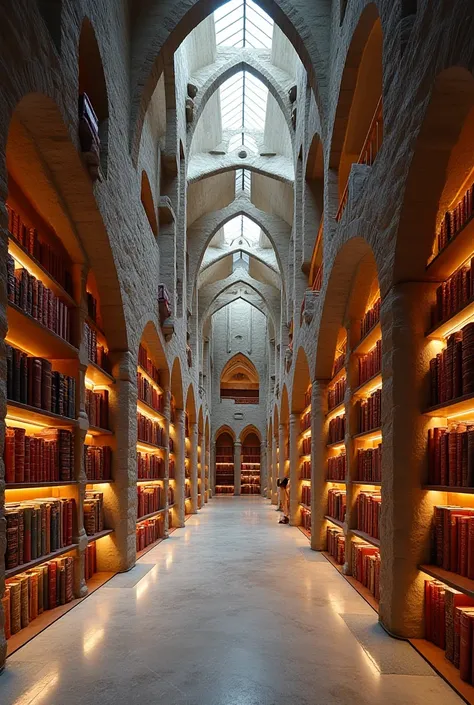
[
  {"x": 305, "y": 506},
  {"x": 339, "y": 374},
  {"x": 454, "y": 407},
  {"x": 145, "y": 374},
  {"x": 147, "y": 480},
  {"x": 337, "y": 482},
  {"x": 446, "y": 488},
  {"x": 375, "y": 434},
  {"x": 24, "y": 413},
  {"x": 458, "y": 582},
  {"x": 361, "y": 589},
  {"x": 149, "y": 446},
  {"x": 366, "y": 388},
  {"x": 99, "y": 535},
  {"x": 457, "y": 250},
  {"x": 145, "y": 550},
  {"x": 436, "y": 657},
  {"x": 336, "y": 444},
  {"x": 369, "y": 340},
  {"x": 98, "y": 431},
  {"x": 39, "y": 485},
  {"x": 97, "y": 375},
  {"x": 369, "y": 483},
  {"x": 145, "y": 408},
  {"x": 27, "y": 333},
  {"x": 10, "y": 572},
  {"x": 151, "y": 515},
  {"x": 338, "y": 523},
  {"x": 338, "y": 409},
  {"x": 365, "y": 537}
]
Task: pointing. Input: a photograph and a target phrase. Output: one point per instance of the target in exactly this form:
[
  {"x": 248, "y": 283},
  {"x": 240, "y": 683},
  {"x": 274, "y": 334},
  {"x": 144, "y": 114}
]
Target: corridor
[{"x": 234, "y": 609}]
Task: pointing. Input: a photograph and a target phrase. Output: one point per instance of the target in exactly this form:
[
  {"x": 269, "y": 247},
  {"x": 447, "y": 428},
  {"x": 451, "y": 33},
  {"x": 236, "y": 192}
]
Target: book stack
[
  {"x": 47, "y": 456},
  {"x": 32, "y": 381},
  {"x": 149, "y": 393},
  {"x": 305, "y": 421},
  {"x": 456, "y": 219},
  {"x": 95, "y": 352},
  {"x": 171, "y": 469},
  {"x": 36, "y": 300},
  {"x": 453, "y": 294},
  {"x": 452, "y": 371},
  {"x": 98, "y": 463},
  {"x": 250, "y": 487},
  {"x": 151, "y": 498},
  {"x": 97, "y": 407},
  {"x": 145, "y": 362},
  {"x": 90, "y": 561},
  {"x": 337, "y": 468},
  {"x": 149, "y": 431},
  {"x": 306, "y": 470},
  {"x": 171, "y": 445},
  {"x": 336, "y": 394},
  {"x": 336, "y": 543},
  {"x": 170, "y": 495},
  {"x": 307, "y": 397},
  {"x": 36, "y": 528},
  {"x": 370, "y": 364},
  {"x": 306, "y": 446},
  {"x": 93, "y": 512},
  {"x": 337, "y": 504},
  {"x": 371, "y": 318},
  {"x": 453, "y": 539},
  {"x": 365, "y": 563},
  {"x": 451, "y": 455},
  {"x": 370, "y": 412},
  {"x": 369, "y": 464},
  {"x": 35, "y": 591},
  {"x": 368, "y": 507},
  {"x": 150, "y": 531},
  {"x": 306, "y": 519},
  {"x": 150, "y": 467},
  {"x": 306, "y": 495},
  {"x": 337, "y": 429}
]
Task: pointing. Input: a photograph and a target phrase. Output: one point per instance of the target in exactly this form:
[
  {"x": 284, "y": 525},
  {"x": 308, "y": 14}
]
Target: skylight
[
  {"x": 241, "y": 23},
  {"x": 243, "y": 181},
  {"x": 241, "y": 231}
]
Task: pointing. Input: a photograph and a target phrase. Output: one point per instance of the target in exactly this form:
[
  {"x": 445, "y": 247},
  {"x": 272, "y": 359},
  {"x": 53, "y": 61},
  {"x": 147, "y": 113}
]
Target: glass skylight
[
  {"x": 241, "y": 23},
  {"x": 243, "y": 181},
  {"x": 243, "y": 103},
  {"x": 241, "y": 231}
]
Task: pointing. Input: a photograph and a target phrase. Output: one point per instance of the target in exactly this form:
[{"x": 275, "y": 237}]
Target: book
[
  {"x": 368, "y": 507},
  {"x": 336, "y": 544},
  {"x": 98, "y": 463},
  {"x": 149, "y": 531},
  {"x": 337, "y": 429},
  {"x": 371, "y": 363},
  {"x": 337, "y": 504},
  {"x": 369, "y": 464},
  {"x": 371, "y": 318},
  {"x": 452, "y": 370},
  {"x": 150, "y": 431},
  {"x": 335, "y": 396},
  {"x": 336, "y": 468}
]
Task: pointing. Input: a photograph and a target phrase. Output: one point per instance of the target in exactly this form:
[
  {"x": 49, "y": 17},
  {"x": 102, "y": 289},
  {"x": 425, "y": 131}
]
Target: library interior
[{"x": 237, "y": 352}]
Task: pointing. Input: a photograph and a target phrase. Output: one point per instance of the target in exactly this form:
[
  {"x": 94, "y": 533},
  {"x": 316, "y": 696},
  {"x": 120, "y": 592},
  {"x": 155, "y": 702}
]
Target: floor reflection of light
[
  {"x": 142, "y": 588},
  {"x": 92, "y": 639},
  {"x": 169, "y": 560},
  {"x": 40, "y": 690}
]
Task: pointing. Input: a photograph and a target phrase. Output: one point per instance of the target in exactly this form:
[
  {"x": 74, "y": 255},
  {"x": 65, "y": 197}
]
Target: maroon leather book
[{"x": 9, "y": 455}]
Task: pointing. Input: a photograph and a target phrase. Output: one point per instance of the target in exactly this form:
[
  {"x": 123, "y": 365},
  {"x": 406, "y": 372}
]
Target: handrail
[{"x": 369, "y": 151}]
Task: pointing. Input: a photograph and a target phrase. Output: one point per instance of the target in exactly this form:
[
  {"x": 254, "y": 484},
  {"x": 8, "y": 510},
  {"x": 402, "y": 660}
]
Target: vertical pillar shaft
[
  {"x": 193, "y": 430},
  {"x": 180, "y": 454},
  {"x": 294, "y": 469},
  {"x": 263, "y": 469},
  {"x": 274, "y": 492},
  {"x": 166, "y": 443},
  {"x": 212, "y": 469},
  {"x": 319, "y": 497},
  {"x": 237, "y": 466}
]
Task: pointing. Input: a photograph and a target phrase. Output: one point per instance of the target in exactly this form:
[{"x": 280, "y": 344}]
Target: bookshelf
[
  {"x": 172, "y": 486},
  {"x": 188, "y": 499},
  {"x": 250, "y": 467},
  {"x": 199, "y": 473},
  {"x": 304, "y": 489},
  {"x": 224, "y": 464}
]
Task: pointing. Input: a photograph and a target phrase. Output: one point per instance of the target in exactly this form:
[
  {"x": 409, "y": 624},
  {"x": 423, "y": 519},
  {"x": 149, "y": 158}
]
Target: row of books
[
  {"x": 336, "y": 394},
  {"x": 47, "y": 456},
  {"x": 145, "y": 362},
  {"x": 170, "y": 495},
  {"x": 337, "y": 468},
  {"x": 171, "y": 469},
  {"x": 96, "y": 352},
  {"x": 187, "y": 491},
  {"x": 252, "y": 452},
  {"x": 451, "y": 456},
  {"x": 150, "y": 466},
  {"x": 371, "y": 318},
  {"x": 337, "y": 504},
  {"x": 370, "y": 364},
  {"x": 224, "y": 489},
  {"x": 307, "y": 397},
  {"x": 369, "y": 464},
  {"x": 250, "y": 479},
  {"x": 452, "y": 371},
  {"x": 306, "y": 495},
  {"x": 93, "y": 512},
  {"x": 36, "y": 528},
  {"x": 98, "y": 462},
  {"x": 336, "y": 544},
  {"x": 150, "y": 431},
  {"x": 253, "y": 466},
  {"x": 365, "y": 566},
  {"x": 97, "y": 407},
  {"x": 151, "y": 498},
  {"x": 453, "y": 539},
  {"x": 305, "y": 472},
  {"x": 149, "y": 393},
  {"x": 453, "y": 294},
  {"x": 455, "y": 219},
  {"x": 306, "y": 446},
  {"x": 32, "y": 381},
  {"x": 149, "y": 531},
  {"x": 39, "y": 250},
  {"x": 90, "y": 560},
  {"x": 305, "y": 421},
  {"x": 337, "y": 429},
  {"x": 37, "y": 590},
  {"x": 306, "y": 519},
  {"x": 449, "y": 623},
  {"x": 36, "y": 300},
  {"x": 370, "y": 412},
  {"x": 249, "y": 488},
  {"x": 368, "y": 506},
  {"x": 339, "y": 363}
]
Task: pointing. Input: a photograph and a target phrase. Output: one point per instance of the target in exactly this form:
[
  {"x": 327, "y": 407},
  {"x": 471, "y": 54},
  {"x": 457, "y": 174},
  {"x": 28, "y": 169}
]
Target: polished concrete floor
[{"x": 233, "y": 610}]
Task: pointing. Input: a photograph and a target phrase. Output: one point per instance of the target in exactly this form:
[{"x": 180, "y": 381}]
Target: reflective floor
[{"x": 234, "y": 609}]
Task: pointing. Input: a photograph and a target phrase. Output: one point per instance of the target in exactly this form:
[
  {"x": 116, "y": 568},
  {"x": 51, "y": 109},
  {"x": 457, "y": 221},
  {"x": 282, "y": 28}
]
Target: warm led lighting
[
  {"x": 144, "y": 411},
  {"x": 306, "y": 433},
  {"x": 30, "y": 351},
  {"x": 469, "y": 318},
  {"x": 92, "y": 639},
  {"x": 462, "y": 190},
  {"x": 32, "y": 426},
  {"x": 89, "y": 383},
  {"x": 40, "y": 690},
  {"x": 146, "y": 449},
  {"x": 470, "y": 412}
]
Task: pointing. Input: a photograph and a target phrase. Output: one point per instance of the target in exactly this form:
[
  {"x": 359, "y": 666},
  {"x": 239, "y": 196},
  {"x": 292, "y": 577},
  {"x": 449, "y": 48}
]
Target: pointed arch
[
  {"x": 177, "y": 384},
  {"x": 227, "y": 430},
  {"x": 248, "y": 430},
  {"x": 148, "y": 203},
  {"x": 301, "y": 382},
  {"x": 239, "y": 380},
  {"x": 191, "y": 404}
]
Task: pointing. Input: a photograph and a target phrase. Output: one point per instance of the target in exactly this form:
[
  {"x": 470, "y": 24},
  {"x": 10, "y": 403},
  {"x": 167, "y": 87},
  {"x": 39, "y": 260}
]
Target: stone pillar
[
  {"x": 269, "y": 467},
  {"x": 180, "y": 454},
  {"x": 282, "y": 469},
  {"x": 263, "y": 469},
  {"x": 294, "y": 470},
  {"x": 202, "y": 468},
  {"x": 274, "y": 489},
  {"x": 237, "y": 466},
  {"x": 212, "y": 469},
  {"x": 407, "y": 511},
  {"x": 208, "y": 464},
  {"x": 193, "y": 434},
  {"x": 319, "y": 497},
  {"x": 3, "y": 411},
  {"x": 166, "y": 443}
]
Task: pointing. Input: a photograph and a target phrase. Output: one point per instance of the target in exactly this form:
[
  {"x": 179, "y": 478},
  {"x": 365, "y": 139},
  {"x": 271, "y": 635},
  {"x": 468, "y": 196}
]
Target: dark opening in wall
[
  {"x": 148, "y": 203},
  {"x": 343, "y": 7},
  {"x": 409, "y": 7},
  {"x": 50, "y": 11}
]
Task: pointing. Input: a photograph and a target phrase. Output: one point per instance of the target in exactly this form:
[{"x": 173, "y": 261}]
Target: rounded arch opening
[
  {"x": 224, "y": 470},
  {"x": 148, "y": 203}
]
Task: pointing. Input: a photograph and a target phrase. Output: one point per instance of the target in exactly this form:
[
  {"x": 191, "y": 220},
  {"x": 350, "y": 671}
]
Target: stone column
[
  {"x": 3, "y": 411},
  {"x": 212, "y": 469},
  {"x": 269, "y": 467},
  {"x": 193, "y": 434},
  {"x": 202, "y": 468},
  {"x": 180, "y": 453},
  {"x": 319, "y": 497},
  {"x": 166, "y": 443},
  {"x": 263, "y": 469},
  {"x": 294, "y": 469},
  {"x": 274, "y": 489},
  {"x": 208, "y": 463},
  {"x": 282, "y": 470},
  {"x": 407, "y": 511},
  {"x": 237, "y": 466}
]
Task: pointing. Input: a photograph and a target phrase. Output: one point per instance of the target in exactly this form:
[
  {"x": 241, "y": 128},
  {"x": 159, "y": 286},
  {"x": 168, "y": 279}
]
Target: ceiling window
[
  {"x": 241, "y": 231},
  {"x": 241, "y": 23},
  {"x": 243, "y": 181}
]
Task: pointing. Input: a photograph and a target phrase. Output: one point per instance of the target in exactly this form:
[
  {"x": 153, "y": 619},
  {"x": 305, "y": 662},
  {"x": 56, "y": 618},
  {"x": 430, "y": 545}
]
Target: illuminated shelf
[
  {"x": 455, "y": 407},
  {"x": 30, "y": 263},
  {"x": 95, "y": 326},
  {"x": 99, "y": 535},
  {"x": 453, "y": 580},
  {"x": 455, "y": 322},
  {"x": 39, "y": 485},
  {"x": 361, "y": 589},
  {"x": 366, "y": 482},
  {"x": 306, "y": 409},
  {"x": 145, "y": 481},
  {"x": 27, "y": 333},
  {"x": 23, "y": 413},
  {"x": 336, "y": 444},
  {"x": 145, "y": 408},
  {"x": 149, "y": 446},
  {"x": 447, "y": 488},
  {"x": 341, "y": 373},
  {"x": 339, "y": 408},
  {"x": 145, "y": 550},
  {"x": 305, "y": 506},
  {"x": 306, "y": 433},
  {"x": 337, "y": 482},
  {"x": 145, "y": 374},
  {"x": 457, "y": 251},
  {"x": 369, "y": 340},
  {"x": 373, "y": 435},
  {"x": 369, "y": 386},
  {"x": 365, "y": 537},
  {"x": 97, "y": 375},
  {"x": 436, "y": 657},
  {"x": 98, "y": 431},
  {"x": 338, "y": 523},
  {"x": 152, "y": 514},
  {"x": 10, "y": 572},
  {"x": 170, "y": 506}
]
